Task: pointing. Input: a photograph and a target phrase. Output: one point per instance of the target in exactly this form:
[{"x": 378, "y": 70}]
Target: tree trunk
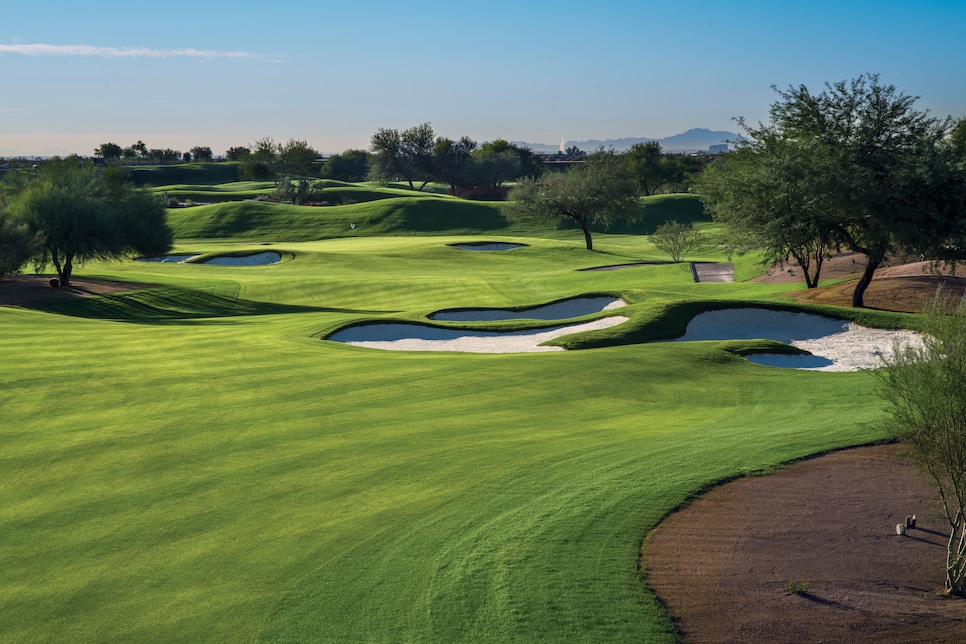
[
  {"x": 587, "y": 239},
  {"x": 858, "y": 295},
  {"x": 956, "y": 557},
  {"x": 66, "y": 270}
]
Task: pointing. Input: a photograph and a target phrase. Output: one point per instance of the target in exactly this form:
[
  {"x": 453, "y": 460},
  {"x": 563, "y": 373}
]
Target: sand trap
[
  {"x": 489, "y": 246},
  {"x": 617, "y": 267},
  {"x": 573, "y": 308},
  {"x": 258, "y": 259},
  {"x": 177, "y": 259},
  {"x": 835, "y": 345},
  {"x": 418, "y": 337}
]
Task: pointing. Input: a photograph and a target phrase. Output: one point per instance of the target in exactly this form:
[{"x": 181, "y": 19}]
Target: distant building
[{"x": 718, "y": 149}]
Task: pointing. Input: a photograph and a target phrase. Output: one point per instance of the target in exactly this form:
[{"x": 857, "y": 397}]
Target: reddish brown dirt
[
  {"x": 898, "y": 286},
  {"x": 722, "y": 564},
  {"x": 23, "y": 290}
]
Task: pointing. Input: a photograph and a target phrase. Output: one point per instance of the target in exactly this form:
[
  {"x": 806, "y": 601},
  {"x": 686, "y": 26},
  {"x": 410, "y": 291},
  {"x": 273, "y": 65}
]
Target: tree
[
  {"x": 490, "y": 169},
  {"x": 259, "y": 163},
  {"x": 645, "y": 162},
  {"x": 296, "y": 158},
  {"x": 530, "y": 164},
  {"x": 676, "y": 239},
  {"x": 923, "y": 387},
  {"x": 351, "y": 165},
  {"x": 237, "y": 152},
  {"x": 17, "y": 245},
  {"x": 406, "y": 155},
  {"x": 765, "y": 193},
  {"x": 957, "y": 138},
  {"x": 893, "y": 191},
  {"x": 201, "y": 153},
  {"x": 417, "y": 149},
  {"x": 597, "y": 191},
  {"x": 886, "y": 179},
  {"x": 82, "y": 214},
  {"x": 108, "y": 151},
  {"x": 451, "y": 159}
]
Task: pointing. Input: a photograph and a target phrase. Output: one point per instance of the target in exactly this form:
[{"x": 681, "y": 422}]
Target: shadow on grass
[{"x": 173, "y": 305}]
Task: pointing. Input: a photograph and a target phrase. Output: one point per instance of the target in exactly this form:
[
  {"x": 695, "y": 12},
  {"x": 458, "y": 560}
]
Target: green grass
[
  {"x": 192, "y": 462},
  {"x": 205, "y": 173}
]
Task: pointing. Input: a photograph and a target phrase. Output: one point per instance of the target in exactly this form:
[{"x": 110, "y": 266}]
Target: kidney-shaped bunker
[
  {"x": 563, "y": 310},
  {"x": 257, "y": 259},
  {"x": 419, "y": 337},
  {"x": 834, "y": 345}
]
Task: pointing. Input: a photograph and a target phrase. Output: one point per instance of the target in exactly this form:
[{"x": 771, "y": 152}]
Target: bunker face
[
  {"x": 573, "y": 308},
  {"x": 835, "y": 345},
  {"x": 258, "y": 259},
  {"x": 175, "y": 259},
  {"x": 488, "y": 247},
  {"x": 417, "y": 337}
]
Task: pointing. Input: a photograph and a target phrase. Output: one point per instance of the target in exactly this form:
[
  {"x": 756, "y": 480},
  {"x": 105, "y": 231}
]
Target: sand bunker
[
  {"x": 573, "y": 308},
  {"x": 617, "y": 267},
  {"x": 835, "y": 345},
  {"x": 258, "y": 259},
  {"x": 175, "y": 259},
  {"x": 488, "y": 246},
  {"x": 418, "y": 337}
]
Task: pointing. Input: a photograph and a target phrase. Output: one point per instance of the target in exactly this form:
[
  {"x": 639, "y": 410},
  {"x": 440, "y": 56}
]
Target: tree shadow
[{"x": 172, "y": 305}]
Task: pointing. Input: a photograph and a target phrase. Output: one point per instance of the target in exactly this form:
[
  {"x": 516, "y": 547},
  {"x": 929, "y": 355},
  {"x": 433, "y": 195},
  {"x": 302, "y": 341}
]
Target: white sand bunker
[
  {"x": 573, "y": 308},
  {"x": 418, "y": 337},
  {"x": 174, "y": 259},
  {"x": 492, "y": 246},
  {"x": 835, "y": 345},
  {"x": 258, "y": 259}
]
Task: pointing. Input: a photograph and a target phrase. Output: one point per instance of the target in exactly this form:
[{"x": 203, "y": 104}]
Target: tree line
[
  {"x": 69, "y": 211},
  {"x": 855, "y": 167}
]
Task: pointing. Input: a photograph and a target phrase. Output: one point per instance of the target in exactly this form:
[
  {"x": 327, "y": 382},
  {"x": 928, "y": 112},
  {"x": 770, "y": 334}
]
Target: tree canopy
[
  {"x": 856, "y": 167},
  {"x": 82, "y": 213},
  {"x": 598, "y": 191}
]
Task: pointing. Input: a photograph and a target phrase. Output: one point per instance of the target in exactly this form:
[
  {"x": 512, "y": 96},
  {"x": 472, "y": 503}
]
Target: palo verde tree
[
  {"x": 676, "y": 239},
  {"x": 598, "y": 191},
  {"x": 82, "y": 213},
  {"x": 923, "y": 386}
]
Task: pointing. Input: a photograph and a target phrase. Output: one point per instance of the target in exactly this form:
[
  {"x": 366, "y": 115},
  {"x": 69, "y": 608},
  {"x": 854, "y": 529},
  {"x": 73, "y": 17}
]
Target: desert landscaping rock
[
  {"x": 418, "y": 337},
  {"x": 572, "y": 308}
]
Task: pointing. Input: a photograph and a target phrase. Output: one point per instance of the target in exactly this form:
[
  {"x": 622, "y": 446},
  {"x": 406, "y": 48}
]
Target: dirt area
[
  {"x": 722, "y": 565},
  {"x": 24, "y": 290},
  {"x": 898, "y": 286}
]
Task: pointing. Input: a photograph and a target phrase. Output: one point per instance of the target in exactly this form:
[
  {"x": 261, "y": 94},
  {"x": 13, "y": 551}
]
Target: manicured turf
[{"x": 194, "y": 463}]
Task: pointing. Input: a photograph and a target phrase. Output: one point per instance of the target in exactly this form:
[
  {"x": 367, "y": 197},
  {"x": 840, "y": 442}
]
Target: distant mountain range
[{"x": 694, "y": 140}]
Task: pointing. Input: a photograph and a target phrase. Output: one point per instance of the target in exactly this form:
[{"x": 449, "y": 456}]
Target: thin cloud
[{"x": 119, "y": 52}]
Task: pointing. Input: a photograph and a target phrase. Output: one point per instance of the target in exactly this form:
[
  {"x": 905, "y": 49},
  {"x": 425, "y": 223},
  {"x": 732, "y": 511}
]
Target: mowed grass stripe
[{"x": 224, "y": 474}]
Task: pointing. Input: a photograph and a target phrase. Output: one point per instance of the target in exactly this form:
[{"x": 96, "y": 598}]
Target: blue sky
[{"x": 205, "y": 72}]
